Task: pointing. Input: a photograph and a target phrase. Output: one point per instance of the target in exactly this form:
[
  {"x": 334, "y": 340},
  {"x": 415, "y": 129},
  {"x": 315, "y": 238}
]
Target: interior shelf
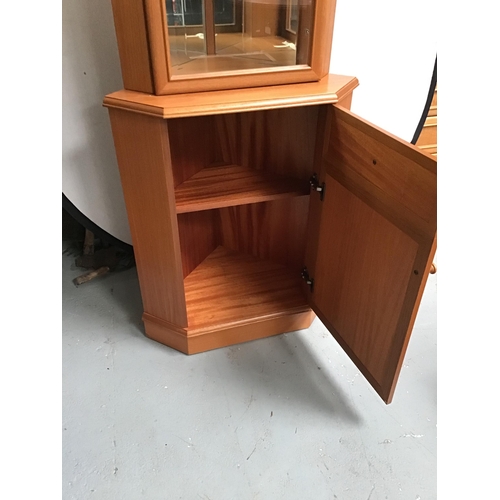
[
  {"x": 230, "y": 185},
  {"x": 229, "y": 288}
]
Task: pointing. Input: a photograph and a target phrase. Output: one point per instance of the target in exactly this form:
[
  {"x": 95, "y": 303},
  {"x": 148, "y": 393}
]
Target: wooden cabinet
[
  {"x": 252, "y": 210},
  {"x": 179, "y": 46},
  {"x": 427, "y": 140}
]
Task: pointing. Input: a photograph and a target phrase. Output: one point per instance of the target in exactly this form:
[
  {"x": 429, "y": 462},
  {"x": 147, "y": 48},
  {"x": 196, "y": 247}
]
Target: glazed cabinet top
[{"x": 181, "y": 46}]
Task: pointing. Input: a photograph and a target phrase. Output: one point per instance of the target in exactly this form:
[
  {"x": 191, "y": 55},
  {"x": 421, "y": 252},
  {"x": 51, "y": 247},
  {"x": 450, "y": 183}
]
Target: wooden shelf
[
  {"x": 230, "y": 185},
  {"x": 229, "y": 288}
]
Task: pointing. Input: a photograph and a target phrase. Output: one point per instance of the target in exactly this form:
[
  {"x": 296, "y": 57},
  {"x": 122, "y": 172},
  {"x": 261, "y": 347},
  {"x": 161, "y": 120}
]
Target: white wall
[
  {"x": 390, "y": 45},
  {"x": 91, "y": 69}
]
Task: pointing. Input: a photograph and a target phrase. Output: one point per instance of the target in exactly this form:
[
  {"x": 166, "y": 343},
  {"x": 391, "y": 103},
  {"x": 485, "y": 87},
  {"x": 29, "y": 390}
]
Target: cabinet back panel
[
  {"x": 193, "y": 146},
  {"x": 272, "y": 231},
  {"x": 281, "y": 141}
]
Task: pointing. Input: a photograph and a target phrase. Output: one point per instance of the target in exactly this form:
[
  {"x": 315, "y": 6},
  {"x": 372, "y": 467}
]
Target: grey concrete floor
[{"x": 286, "y": 417}]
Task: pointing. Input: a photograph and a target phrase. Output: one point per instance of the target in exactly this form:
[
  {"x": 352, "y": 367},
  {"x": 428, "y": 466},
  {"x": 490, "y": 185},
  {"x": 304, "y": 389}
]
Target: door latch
[{"x": 315, "y": 185}]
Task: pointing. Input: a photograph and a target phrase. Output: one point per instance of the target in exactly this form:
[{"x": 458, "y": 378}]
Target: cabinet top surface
[{"x": 329, "y": 90}]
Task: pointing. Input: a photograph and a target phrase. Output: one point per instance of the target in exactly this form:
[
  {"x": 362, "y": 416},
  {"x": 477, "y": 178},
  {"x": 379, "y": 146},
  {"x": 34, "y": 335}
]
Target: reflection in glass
[
  {"x": 292, "y": 16},
  {"x": 207, "y": 36}
]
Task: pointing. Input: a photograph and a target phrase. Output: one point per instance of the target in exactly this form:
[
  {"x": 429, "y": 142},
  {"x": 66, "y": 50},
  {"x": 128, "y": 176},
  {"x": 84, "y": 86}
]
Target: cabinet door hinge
[
  {"x": 316, "y": 186},
  {"x": 307, "y": 278}
]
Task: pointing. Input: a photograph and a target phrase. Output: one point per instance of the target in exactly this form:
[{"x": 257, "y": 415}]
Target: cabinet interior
[{"x": 242, "y": 198}]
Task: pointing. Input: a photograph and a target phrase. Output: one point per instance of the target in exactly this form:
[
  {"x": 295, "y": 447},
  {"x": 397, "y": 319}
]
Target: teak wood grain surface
[
  {"x": 230, "y": 185},
  {"x": 215, "y": 171},
  {"x": 329, "y": 90},
  {"x": 273, "y": 231},
  {"x": 142, "y": 150},
  {"x": 242, "y": 157},
  {"x": 228, "y": 288},
  {"x": 133, "y": 47},
  {"x": 223, "y": 225},
  {"x": 376, "y": 240}
]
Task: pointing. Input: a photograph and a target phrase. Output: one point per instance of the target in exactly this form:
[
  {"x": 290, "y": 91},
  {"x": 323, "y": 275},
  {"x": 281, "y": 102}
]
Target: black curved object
[
  {"x": 91, "y": 226},
  {"x": 427, "y": 106}
]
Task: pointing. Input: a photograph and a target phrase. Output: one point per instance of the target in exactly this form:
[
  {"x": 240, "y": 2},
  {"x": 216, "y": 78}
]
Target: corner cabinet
[
  {"x": 175, "y": 47},
  {"x": 254, "y": 210}
]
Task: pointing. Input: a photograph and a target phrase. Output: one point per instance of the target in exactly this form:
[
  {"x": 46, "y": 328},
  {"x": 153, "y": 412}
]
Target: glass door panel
[
  {"x": 224, "y": 12},
  {"x": 185, "y": 31},
  {"x": 211, "y": 36}
]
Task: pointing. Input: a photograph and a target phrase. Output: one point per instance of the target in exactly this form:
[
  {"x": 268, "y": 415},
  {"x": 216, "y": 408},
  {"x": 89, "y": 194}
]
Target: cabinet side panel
[
  {"x": 142, "y": 150},
  {"x": 198, "y": 237},
  {"x": 131, "y": 36},
  {"x": 272, "y": 231}
]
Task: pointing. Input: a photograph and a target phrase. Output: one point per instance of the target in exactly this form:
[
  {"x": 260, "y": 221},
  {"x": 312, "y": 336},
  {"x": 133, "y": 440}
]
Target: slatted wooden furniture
[{"x": 427, "y": 140}]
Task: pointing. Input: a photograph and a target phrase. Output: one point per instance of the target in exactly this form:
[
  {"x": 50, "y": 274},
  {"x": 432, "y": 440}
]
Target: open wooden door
[{"x": 371, "y": 244}]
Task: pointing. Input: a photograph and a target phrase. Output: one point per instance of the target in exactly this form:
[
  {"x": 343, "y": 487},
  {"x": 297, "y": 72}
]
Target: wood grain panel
[
  {"x": 368, "y": 285},
  {"x": 228, "y": 138},
  {"x": 362, "y": 276},
  {"x": 131, "y": 36},
  {"x": 280, "y": 141},
  {"x": 428, "y": 134},
  {"x": 192, "y": 146},
  {"x": 198, "y": 234},
  {"x": 231, "y": 185},
  {"x": 142, "y": 150},
  {"x": 229, "y": 288},
  {"x": 253, "y": 329},
  {"x": 376, "y": 240},
  {"x": 329, "y": 90},
  {"x": 213, "y": 338},
  {"x": 394, "y": 174},
  {"x": 272, "y": 231}
]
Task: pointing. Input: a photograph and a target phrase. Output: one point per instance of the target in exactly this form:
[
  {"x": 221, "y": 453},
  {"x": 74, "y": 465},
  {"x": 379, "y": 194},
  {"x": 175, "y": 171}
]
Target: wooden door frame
[{"x": 166, "y": 83}]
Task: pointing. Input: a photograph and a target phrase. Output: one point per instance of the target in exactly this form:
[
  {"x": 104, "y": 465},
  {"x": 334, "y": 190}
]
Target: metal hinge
[
  {"x": 307, "y": 278},
  {"x": 315, "y": 185}
]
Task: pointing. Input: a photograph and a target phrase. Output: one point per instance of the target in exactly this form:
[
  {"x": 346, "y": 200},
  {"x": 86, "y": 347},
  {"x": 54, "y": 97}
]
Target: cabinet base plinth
[{"x": 181, "y": 340}]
